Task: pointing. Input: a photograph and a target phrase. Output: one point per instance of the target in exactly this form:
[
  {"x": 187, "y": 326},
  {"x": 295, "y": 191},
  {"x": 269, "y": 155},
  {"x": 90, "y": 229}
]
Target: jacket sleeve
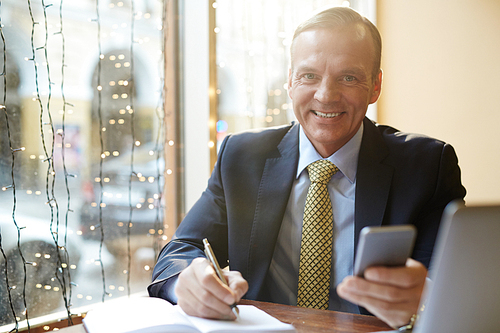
[
  {"x": 448, "y": 188},
  {"x": 206, "y": 219}
]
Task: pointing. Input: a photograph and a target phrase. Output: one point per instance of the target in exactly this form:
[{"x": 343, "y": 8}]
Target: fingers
[
  {"x": 201, "y": 293},
  {"x": 405, "y": 277},
  {"x": 383, "y": 292},
  {"x": 395, "y": 314},
  {"x": 236, "y": 283},
  {"x": 392, "y": 294}
]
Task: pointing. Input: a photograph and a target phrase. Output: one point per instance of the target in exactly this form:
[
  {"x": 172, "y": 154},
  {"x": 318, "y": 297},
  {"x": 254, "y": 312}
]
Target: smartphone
[{"x": 384, "y": 246}]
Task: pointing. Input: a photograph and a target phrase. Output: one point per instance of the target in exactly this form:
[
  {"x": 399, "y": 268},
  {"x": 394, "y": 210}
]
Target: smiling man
[
  {"x": 252, "y": 211},
  {"x": 331, "y": 83}
]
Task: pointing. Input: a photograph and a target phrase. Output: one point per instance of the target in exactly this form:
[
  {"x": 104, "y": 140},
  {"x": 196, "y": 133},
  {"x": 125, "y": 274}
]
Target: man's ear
[
  {"x": 290, "y": 83},
  {"x": 377, "y": 88}
]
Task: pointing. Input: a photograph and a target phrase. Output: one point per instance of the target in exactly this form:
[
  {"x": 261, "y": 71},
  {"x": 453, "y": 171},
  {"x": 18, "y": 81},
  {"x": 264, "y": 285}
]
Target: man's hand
[
  {"x": 391, "y": 293},
  {"x": 201, "y": 293}
]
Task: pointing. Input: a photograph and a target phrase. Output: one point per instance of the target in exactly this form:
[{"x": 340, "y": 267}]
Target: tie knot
[{"x": 321, "y": 171}]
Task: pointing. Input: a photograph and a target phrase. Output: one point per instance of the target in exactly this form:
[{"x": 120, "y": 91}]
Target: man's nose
[{"x": 327, "y": 92}]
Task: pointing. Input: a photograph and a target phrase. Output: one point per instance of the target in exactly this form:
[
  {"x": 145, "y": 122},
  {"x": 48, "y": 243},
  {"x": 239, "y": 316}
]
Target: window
[
  {"x": 253, "y": 57},
  {"x": 81, "y": 152}
]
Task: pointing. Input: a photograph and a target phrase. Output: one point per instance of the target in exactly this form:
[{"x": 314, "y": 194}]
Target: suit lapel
[
  {"x": 373, "y": 180},
  {"x": 274, "y": 191}
]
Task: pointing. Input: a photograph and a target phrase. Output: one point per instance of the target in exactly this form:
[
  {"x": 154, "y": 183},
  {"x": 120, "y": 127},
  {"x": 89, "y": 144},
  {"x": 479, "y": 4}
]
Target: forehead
[{"x": 351, "y": 43}]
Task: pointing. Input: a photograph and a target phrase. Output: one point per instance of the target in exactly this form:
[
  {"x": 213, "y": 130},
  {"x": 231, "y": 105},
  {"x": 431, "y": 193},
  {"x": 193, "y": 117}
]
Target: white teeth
[{"x": 326, "y": 115}]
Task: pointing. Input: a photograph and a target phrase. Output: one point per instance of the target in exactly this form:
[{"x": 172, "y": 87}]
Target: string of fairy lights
[
  {"x": 62, "y": 270},
  {"x": 160, "y": 138},
  {"x": 133, "y": 144},
  {"x": 159, "y": 148},
  {"x": 10, "y": 287},
  {"x": 102, "y": 153},
  {"x": 49, "y": 134},
  {"x": 66, "y": 295}
]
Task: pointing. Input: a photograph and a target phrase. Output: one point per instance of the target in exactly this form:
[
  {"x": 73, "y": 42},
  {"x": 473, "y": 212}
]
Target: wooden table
[
  {"x": 304, "y": 320},
  {"x": 319, "y": 321}
]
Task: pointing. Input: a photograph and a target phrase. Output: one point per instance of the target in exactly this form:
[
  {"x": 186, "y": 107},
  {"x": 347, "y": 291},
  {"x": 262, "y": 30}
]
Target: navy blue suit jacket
[{"x": 401, "y": 178}]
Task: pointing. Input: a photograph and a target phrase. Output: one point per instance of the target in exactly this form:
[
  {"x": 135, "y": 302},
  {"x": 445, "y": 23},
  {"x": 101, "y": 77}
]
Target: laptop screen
[{"x": 464, "y": 295}]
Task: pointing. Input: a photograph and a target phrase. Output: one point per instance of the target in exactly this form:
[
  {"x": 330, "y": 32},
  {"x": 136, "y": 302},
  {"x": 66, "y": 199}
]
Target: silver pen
[{"x": 211, "y": 257}]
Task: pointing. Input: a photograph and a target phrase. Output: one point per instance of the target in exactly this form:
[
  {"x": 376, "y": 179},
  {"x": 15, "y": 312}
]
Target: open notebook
[
  {"x": 154, "y": 315},
  {"x": 464, "y": 295}
]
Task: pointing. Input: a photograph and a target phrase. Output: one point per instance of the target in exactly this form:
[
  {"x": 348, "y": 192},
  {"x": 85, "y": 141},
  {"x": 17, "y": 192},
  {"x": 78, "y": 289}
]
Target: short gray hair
[{"x": 336, "y": 17}]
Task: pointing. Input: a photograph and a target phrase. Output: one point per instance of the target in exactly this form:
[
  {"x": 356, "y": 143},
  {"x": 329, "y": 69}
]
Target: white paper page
[
  {"x": 251, "y": 319},
  {"x": 140, "y": 314}
]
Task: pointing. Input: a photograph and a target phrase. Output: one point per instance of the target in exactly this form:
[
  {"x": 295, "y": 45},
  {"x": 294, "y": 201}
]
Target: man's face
[{"x": 331, "y": 84}]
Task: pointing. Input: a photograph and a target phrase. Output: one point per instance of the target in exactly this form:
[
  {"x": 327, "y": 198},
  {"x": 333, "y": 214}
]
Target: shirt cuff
[{"x": 167, "y": 291}]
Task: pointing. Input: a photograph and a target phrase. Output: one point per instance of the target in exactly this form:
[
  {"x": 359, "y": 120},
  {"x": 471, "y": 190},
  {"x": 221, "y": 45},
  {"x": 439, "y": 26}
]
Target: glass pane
[
  {"x": 253, "y": 40},
  {"x": 81, "y": 140}
]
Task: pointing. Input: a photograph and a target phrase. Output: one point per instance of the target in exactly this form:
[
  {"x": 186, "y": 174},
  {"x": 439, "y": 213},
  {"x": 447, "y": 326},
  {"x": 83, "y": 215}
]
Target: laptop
[{"x": 464, "y": 295}]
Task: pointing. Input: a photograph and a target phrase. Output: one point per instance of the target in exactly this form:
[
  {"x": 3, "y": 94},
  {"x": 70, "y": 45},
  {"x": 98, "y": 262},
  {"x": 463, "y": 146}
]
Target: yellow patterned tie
[{"x": 317, "y": 239}]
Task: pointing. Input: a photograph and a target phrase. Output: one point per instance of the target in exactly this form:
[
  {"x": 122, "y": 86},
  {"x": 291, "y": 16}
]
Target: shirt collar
[{"x": 346, "y": 158}]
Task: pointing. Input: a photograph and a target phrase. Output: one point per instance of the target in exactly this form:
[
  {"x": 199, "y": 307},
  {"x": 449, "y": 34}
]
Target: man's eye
[
  {"x": 349, "y": 78},
  {"x": 309, "y": 76}
]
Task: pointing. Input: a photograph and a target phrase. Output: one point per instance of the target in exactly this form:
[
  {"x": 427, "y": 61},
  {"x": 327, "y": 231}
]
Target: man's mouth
[{"x": 326, "y": 115}]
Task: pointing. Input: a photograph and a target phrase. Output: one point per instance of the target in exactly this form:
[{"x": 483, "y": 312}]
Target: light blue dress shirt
[{"x": 284, "y": 267}]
